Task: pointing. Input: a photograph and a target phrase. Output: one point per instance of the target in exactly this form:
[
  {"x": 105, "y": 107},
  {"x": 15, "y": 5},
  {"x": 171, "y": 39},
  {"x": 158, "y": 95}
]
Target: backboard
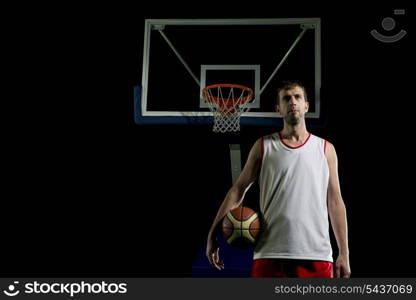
[{"x": 182, "y": 56}]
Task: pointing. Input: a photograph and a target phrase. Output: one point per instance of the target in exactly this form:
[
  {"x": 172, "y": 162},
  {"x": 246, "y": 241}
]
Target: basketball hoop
[{"x": 227, "y": 102}]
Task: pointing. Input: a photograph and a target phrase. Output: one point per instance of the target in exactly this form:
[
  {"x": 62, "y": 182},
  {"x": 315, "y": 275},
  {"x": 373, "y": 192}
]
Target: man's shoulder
[
  {"x": 270, "y": 136},
  {"x": 322, "y": 139},
  {"x": 318, "y": 137}
]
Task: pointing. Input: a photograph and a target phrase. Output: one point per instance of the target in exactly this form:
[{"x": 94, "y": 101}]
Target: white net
[{"x": 227, "y": 103}]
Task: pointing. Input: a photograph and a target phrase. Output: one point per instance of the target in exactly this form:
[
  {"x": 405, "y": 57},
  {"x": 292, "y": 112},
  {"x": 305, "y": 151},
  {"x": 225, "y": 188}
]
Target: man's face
[{"x": 292, "y": 105}]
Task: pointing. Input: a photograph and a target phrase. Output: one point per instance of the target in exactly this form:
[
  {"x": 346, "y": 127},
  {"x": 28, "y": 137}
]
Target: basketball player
[{"x": 299, "y": 188}]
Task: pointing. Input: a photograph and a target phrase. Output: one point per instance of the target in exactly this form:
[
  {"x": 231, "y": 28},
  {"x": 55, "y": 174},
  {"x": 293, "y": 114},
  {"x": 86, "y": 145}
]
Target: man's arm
[
  {"x": 337, "y": 214},
  {"x": 233, "y": 199}
]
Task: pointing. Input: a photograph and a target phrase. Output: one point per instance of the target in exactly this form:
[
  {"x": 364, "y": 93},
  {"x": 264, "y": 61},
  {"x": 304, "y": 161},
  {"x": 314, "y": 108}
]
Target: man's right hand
[{"x": 212, "y": 254}]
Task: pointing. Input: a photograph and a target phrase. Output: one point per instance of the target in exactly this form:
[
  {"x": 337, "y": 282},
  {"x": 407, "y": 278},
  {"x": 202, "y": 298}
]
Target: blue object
[{"x": 237, "y": 262}]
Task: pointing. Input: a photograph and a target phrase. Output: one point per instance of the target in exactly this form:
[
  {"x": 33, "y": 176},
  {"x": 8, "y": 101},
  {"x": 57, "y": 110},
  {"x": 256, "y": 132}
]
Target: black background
[{"x": 87, "y": 192}]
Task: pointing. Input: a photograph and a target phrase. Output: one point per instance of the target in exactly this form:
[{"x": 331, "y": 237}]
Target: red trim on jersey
[
  {"x": 291, "y": 147},
  {"x": 325, "y": 146}
]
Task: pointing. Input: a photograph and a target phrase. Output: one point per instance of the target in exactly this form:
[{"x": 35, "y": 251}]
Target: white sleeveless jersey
[{"x": 293, "y": 200}]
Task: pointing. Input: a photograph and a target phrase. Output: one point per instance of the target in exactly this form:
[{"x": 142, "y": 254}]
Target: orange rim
[{"x": 230, "y": 101}]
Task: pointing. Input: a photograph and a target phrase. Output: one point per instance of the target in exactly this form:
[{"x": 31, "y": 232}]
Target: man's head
[{"x": 292, "y": 103}]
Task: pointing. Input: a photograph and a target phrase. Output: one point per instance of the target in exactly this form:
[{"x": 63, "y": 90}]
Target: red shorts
[{"x": 273, "y": 267}]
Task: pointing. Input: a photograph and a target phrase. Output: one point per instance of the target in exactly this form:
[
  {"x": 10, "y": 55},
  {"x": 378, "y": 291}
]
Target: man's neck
[{"x": 294, "y": 133}]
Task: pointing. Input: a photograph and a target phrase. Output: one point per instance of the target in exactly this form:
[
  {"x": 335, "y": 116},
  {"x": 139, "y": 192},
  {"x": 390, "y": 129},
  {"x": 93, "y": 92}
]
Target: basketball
[{"x": 240, "y": 227}]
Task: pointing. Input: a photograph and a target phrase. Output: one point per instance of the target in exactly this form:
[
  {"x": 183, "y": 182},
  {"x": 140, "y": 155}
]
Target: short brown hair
[{"x": 288, "y": 85}]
